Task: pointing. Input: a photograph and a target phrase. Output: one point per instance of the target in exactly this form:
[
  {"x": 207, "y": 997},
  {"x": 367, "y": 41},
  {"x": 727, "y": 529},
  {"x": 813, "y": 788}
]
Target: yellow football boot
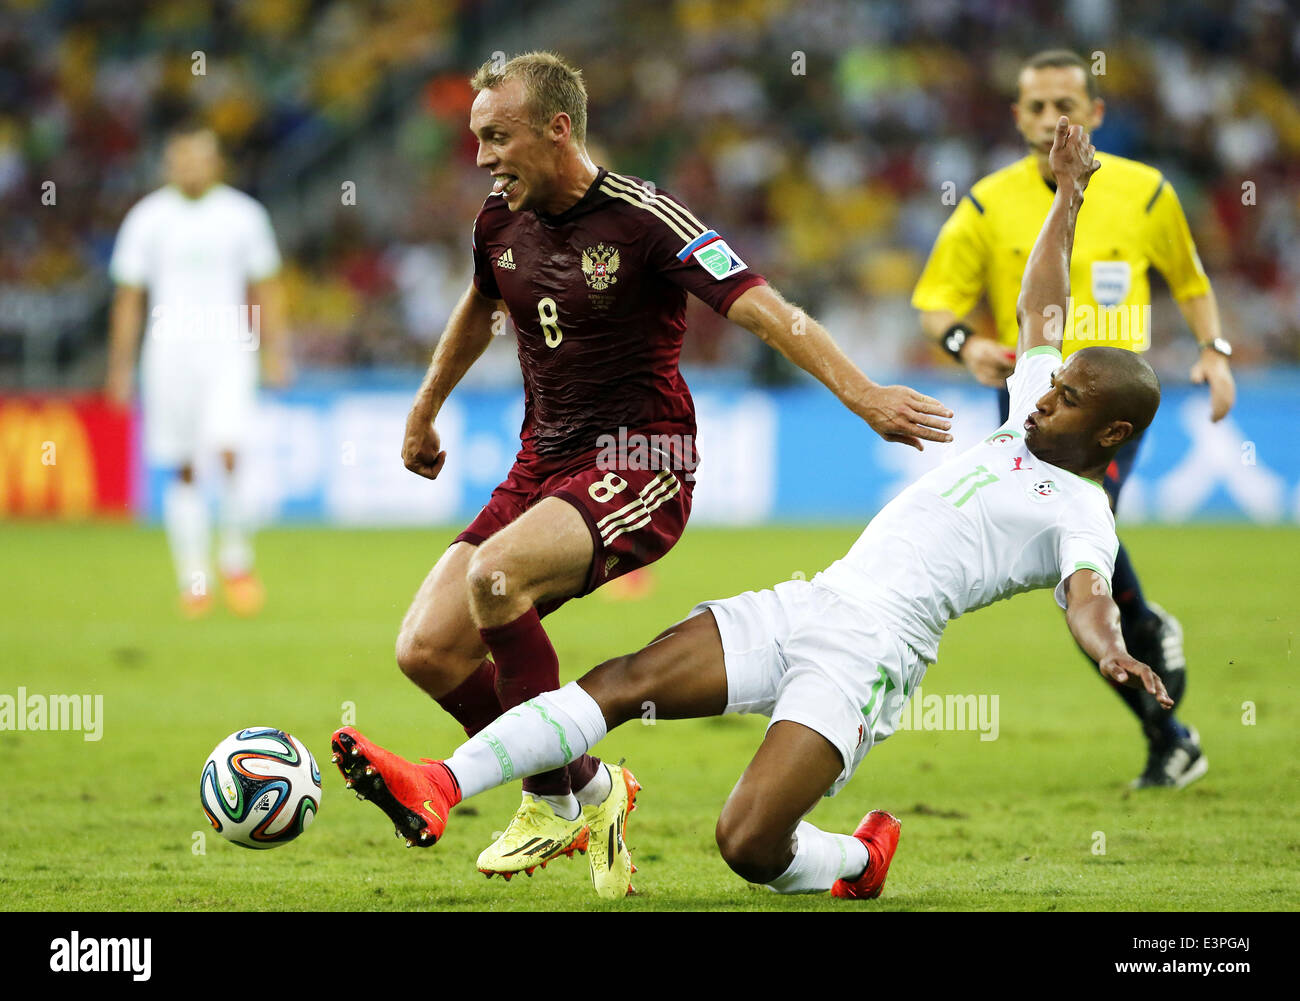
[
  {"x": 607, "y": 851},
  {"x": 534, "y": 836}
]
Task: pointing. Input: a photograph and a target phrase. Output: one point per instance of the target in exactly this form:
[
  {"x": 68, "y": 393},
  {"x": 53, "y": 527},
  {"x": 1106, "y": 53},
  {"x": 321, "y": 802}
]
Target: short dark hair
[
  {"x": 191, "y": 125},
  {"x": 552, "y": 86},
  {"x": 1130, "y": 389},
  {"x": 1051, "y": 58}
]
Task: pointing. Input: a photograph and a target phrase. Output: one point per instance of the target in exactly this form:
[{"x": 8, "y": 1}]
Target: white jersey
[
  {"x": 196, "y": 258},
  {"x": 992, "y": 522}
]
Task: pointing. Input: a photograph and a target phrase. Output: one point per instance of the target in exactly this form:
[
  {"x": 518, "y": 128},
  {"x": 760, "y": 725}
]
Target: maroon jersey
[{"x": 598, "y": 299}]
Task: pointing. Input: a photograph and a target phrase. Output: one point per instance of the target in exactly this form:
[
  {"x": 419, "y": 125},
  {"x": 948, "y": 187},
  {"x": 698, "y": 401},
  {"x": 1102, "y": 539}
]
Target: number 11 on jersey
[{"x": 973, "y": 484}]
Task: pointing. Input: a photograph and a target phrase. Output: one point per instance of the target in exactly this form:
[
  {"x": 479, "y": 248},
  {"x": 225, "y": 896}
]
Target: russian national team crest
[
  {"x": 598, "y": 266},
  {"x": 1043, "y": 490}
]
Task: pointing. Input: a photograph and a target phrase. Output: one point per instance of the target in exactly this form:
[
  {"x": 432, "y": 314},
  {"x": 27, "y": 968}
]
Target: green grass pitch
[{"x": 1009, "y": 824}]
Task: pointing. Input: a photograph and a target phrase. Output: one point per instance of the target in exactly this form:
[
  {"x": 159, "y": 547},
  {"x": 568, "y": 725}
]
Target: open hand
[
  {"x": 898, "y": 413},
  {"x": 1134, "y": 674}
]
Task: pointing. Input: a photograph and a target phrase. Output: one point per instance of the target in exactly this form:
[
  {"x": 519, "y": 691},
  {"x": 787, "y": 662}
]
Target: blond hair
[{"x": 551, "y": 86}]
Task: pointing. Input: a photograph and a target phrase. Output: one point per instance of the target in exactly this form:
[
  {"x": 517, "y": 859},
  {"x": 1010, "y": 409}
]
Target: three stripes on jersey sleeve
[{"x": 674, "y": 215}]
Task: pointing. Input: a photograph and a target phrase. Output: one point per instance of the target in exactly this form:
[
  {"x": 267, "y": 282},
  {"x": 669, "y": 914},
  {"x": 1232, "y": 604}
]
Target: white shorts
[
  {"x": 802, "y": 653},
  {"x": 197, "y": 398}
]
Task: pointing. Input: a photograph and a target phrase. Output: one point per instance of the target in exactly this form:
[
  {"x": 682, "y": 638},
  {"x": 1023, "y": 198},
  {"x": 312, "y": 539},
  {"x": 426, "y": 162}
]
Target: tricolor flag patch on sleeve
[{"x": 713, "y": 254}]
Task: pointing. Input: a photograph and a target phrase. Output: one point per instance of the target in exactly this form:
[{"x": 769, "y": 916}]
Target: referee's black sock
[
  {"x": 1140, "y": 625},
  {"x": 1133, "y": 699},
  {"x": 1159, "y": 725},
  {"x": 1127, "y": 590}
]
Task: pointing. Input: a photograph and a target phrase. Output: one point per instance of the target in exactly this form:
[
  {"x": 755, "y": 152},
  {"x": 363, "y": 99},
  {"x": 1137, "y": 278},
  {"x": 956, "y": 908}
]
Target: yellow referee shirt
[{"x": 1131, "y": 220}]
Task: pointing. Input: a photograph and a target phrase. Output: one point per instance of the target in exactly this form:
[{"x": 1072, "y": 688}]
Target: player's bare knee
[
  {"x": 437, "y": 668},
  {"x": 490, "y": 578},
  {"x": 750, "y": 852},
  {"x": 412, "y": 655}
]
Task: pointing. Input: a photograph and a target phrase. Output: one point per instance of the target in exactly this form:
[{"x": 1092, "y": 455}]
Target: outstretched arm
[
  {"x": 1045, "y": 288},
  {"x": 1093, "y": 618},
  {"x": 896, "y": 413}
]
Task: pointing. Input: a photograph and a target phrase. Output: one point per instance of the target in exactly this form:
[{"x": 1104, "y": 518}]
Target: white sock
[
  {"x": 820, "y": 859},
  {"x": 541, "y": 734},
  {"x": 236, "y": 551},
  {"x": 185, "y": 516},
  {"x": 597, "y": 790},
  {"x": 565, "y": 806}
]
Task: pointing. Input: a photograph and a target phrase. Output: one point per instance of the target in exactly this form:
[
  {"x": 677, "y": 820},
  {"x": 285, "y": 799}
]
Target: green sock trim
[{"x": 559, "y": 730}]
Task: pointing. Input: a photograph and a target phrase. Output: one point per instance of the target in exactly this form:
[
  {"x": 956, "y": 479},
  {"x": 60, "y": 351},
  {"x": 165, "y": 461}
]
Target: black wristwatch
[
  {"x": 1218, "y": 344},
  {"x": 955, "y": 338}
]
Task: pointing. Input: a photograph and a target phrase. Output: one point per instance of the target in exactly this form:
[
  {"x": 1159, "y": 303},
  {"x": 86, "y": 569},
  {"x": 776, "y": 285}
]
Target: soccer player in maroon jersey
[{"x": 594, "y": 268}]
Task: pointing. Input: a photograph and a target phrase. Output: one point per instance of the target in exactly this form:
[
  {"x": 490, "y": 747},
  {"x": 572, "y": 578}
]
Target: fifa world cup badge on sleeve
[{"x": 713, "y": 254}]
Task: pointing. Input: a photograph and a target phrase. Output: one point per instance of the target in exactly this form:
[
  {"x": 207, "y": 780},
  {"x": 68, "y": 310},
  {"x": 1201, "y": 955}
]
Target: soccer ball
[{"x": 260, "y": 787}]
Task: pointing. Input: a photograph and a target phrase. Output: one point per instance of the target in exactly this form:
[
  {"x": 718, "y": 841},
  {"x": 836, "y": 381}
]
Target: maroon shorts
[{"x": 636, "y": 509}]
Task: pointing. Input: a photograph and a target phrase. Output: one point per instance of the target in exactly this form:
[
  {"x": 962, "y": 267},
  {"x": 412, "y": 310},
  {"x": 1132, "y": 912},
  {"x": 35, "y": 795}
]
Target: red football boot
[
  {"x": 416, "y": 797},
  {"x": 879, "y": 832}
]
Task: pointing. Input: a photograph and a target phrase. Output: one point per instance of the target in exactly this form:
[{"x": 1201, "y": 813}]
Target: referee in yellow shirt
[{"x": 1132, "y": 222}]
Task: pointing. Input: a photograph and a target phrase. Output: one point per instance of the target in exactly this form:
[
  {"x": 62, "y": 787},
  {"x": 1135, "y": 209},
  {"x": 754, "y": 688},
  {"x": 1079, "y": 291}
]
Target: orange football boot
[
  {"x": 244, "y": 593},
  {"x": 416, "y": 797},
  {"x": 879, "y": 832},
  {"x": 195, "y": 606}
]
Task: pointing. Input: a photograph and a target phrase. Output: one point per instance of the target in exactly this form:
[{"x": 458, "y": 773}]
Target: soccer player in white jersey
[
  {"x": 833, "y": 660},
  {"x": 204, "y": 257}
]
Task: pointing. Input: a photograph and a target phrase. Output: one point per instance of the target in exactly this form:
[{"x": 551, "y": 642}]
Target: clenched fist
[{"x": 421, "y": 452}]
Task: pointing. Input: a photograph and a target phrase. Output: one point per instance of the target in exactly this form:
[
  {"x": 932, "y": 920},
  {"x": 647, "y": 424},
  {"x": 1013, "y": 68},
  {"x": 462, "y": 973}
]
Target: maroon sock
[
  {"x": 527, "y": 666},
  {"x": 582, "y": 771},
  {"x": 474, "y": 702}
]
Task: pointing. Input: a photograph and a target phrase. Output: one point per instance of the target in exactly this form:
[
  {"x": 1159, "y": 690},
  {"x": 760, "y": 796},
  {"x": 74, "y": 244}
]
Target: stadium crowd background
[{"x": 818, "y": 137}]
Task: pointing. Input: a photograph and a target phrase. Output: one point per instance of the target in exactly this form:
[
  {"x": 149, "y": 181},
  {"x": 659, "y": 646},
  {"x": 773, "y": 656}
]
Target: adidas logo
[{"x": 506, "y": 260}]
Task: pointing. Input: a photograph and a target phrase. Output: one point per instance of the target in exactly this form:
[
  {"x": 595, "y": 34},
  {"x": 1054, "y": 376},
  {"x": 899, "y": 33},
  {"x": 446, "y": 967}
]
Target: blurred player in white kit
[{"x": 204, "y": 256}]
